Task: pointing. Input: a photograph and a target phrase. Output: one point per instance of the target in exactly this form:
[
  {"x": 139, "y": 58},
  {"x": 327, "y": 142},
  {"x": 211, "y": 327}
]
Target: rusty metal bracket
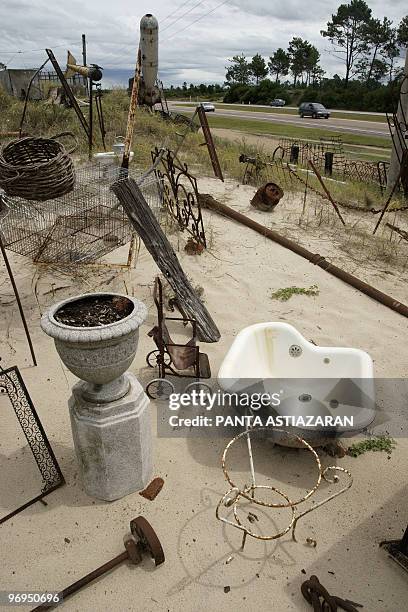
[{"x": 210, "y": 143}]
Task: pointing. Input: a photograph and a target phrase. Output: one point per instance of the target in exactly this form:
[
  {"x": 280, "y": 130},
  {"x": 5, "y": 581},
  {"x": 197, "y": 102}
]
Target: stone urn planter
[{"x": 96, "y": 335}]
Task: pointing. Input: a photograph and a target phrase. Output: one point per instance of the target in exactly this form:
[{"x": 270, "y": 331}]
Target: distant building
[{"x": 15, "y": 81}]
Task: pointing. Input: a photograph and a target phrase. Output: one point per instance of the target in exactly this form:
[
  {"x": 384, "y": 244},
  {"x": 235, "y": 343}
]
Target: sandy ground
[{"x": 50, "y": 547}]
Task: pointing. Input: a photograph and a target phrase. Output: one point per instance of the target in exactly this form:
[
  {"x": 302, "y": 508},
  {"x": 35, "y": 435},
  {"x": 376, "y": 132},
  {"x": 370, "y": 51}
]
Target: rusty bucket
[{"x": 267, "y": 197}]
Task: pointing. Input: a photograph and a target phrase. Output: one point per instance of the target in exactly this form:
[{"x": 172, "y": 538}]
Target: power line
[
  {"x": 19, "y": 51},
  {"x": 175, "y": 11},
  {"x": 195, "y": 21},
  {"x": 164, "y": 29},
  {"x": 183, "y": 15}
]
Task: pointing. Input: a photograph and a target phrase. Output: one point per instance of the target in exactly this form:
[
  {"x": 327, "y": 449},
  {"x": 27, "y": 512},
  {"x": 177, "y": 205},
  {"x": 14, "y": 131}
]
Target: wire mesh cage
[{"x": 81, "y": 226}]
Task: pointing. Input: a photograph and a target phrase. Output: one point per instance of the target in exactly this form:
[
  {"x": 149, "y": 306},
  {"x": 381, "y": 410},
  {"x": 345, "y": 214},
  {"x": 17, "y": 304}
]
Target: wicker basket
[{"x": 37, "y": 168}]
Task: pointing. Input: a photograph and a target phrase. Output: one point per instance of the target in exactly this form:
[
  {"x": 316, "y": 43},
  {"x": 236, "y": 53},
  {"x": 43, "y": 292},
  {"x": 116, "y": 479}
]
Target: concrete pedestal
[{"x": 113, "y": 441}]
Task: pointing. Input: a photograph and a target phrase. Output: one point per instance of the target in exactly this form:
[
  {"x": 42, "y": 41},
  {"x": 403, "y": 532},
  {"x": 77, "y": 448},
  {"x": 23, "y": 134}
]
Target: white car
[
  {"x": 277, "y": 102},
  {"x": 208, "y": 107}
]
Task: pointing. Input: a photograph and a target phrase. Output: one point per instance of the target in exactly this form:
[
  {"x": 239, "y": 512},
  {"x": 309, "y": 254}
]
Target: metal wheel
[
  {"x": 148, "y": 540},
  {"x": 198, "y": 386},
  {"x": 160, "y": 388},
  {"x": 153, "y": 358}
]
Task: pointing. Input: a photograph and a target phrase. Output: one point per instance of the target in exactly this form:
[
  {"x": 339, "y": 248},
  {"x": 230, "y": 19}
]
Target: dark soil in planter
[{"x": 94, "y": 311}]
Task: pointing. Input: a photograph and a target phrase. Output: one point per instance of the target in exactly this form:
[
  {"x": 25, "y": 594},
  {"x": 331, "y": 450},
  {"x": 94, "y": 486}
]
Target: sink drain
[
  {"x": 295, "y": 350},
  {"x": 305, "y": 397}
]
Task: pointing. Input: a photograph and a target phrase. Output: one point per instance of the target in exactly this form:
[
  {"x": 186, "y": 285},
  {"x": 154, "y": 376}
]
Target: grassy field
[
  {"x": 292, "y": 111},
  {"x": 151, "y": 131},
  {"x": 253, "y": 126}
]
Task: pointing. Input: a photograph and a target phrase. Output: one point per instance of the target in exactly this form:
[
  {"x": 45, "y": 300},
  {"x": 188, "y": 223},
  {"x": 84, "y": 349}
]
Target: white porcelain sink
[{"x": 327, "y": 380}]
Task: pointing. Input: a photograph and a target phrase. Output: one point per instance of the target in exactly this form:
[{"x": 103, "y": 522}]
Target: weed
[
  {"x": 285, "y": 294},
  {"x": 376, "y": 444}
]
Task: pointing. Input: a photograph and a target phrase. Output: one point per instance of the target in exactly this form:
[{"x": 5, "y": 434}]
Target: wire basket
[{"x": 37, "y": 168}]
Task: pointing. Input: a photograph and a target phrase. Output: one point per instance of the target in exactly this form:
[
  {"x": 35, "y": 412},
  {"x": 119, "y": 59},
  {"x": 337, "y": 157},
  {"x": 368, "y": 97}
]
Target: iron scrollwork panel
[{"x": 180, "y": 195}]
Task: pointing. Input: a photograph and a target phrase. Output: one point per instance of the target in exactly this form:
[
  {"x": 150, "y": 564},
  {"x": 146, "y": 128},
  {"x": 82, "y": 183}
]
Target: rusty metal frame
[
  {"x": 233, "y": 496},
  {"x": 163, "y": 358},
  {"x": 180, "y": 194},
  {"x": 11, "y": 383}
]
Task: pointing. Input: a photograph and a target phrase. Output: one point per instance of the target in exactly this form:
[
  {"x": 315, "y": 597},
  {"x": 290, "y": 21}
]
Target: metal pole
[
  {"x": 101, "y": 121},
  {"x": 79, "y": 584},
  {"x": 132, "y": 111},
  {"x": 327, "y": 192},
  {"x": 28, "y": 95},
  {"x": 84, "y": 59},
  {"x": 90, "y": 134},
  {"x": 317, "y": 260},
  {"x": 68, "y": 91},
  {"x": 20, "y": 307},
  {"x": 384, "y": 210}
]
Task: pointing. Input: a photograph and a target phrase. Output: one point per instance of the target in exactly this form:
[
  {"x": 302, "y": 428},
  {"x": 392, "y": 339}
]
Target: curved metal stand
[{"x": 234, "y": 495}]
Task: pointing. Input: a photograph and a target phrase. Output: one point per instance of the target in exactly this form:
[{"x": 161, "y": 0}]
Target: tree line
[
  {"x": 369, "y": 49},
  {"x": 195, "y": 91}
]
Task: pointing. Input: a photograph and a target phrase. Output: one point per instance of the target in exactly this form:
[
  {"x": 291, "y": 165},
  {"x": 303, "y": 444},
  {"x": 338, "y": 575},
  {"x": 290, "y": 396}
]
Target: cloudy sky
[{"x": 196, "y": 37}]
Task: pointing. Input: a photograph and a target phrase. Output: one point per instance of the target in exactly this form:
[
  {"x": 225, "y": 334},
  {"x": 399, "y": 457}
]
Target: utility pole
[{"x": 402, "y": 116}]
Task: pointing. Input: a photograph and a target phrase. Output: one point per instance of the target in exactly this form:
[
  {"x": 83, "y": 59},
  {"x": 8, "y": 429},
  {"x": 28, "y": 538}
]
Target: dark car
[{"x": 314, "y": 110}]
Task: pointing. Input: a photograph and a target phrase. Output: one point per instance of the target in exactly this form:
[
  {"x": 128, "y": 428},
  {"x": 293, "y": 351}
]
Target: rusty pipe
[
  {"x": 314, "y": 258},
  {"x": 132, "y": 111}
]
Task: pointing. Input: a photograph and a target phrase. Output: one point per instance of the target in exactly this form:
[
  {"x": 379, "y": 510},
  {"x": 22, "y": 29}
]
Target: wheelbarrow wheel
[
  {"x": 160, "y": 388},
  {"x": 153, "y": 358}
]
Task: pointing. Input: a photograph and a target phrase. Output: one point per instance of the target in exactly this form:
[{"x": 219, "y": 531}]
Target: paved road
[
  {"x": 337, "y": 110},
  {"x": 364, "y": 128}
]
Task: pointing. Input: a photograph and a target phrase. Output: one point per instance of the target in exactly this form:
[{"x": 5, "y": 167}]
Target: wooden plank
[{"x": 149, "y": 230}]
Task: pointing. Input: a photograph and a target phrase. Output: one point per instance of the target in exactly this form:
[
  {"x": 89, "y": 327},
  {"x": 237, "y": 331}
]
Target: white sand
[{"x": 238, "y": 274}]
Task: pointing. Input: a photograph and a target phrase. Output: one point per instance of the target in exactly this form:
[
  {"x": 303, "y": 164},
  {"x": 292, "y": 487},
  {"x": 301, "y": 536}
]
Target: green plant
[
  {"x": 376, "y": 444},
  {"x": 285, "y": 294}
]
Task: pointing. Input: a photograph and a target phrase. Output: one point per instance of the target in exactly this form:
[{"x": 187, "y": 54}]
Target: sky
[{"x": 196, "y": 37}]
